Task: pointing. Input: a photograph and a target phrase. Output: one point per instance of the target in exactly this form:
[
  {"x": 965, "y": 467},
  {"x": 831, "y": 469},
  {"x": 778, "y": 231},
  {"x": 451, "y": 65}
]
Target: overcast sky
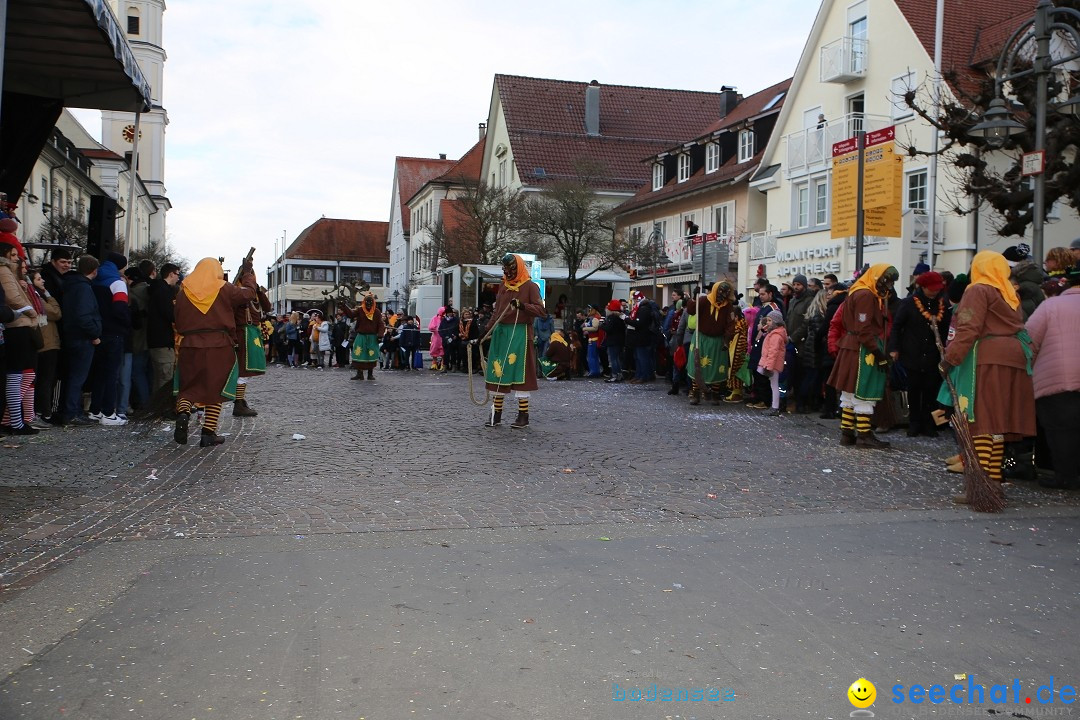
[{"x": 281, "y": 112}]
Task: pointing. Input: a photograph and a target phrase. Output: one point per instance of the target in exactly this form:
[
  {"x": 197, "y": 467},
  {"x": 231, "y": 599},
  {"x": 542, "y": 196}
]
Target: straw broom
[{"x": 980, "y": 492}]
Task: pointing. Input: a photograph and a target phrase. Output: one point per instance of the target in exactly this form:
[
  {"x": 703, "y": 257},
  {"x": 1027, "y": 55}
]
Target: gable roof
[
  {"x": 411, "y": 174},
  {"x": 465, "y": 170},
  {"x": 732, "y": 170},
  {"x": 545, "y": 121},
  {"x": 974, "y": 32},
  {"x": 468, "y": 167},
  {"x": 330, "y": 239}
]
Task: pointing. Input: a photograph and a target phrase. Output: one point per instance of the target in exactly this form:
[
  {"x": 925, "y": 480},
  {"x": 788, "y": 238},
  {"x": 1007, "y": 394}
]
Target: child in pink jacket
[{"x": 772, "y": 355}]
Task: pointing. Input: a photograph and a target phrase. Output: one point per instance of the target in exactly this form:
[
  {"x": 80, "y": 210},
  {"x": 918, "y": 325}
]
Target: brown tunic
[
  {"x": 249, "y": 315},
  {"x": 531, "y": 307},
  {"x": 864, "y": 325},
  {"x": 364, "y": 326},
  {"x": 1004, "y": 393},
  {"x": 718, "y": 325},
  {"x": 205, "y": 352},
  {"x": 562, "y": 356}
]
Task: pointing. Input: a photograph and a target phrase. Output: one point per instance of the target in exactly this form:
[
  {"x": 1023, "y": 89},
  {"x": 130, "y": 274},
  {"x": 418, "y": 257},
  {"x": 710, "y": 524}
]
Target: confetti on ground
[{"x": 605, "y": 539}]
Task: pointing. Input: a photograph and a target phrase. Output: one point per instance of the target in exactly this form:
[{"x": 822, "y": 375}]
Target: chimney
[
  {"x": 442, "y": 156},
  {"x": 483, "y": 131},
  {"x": 592, "y": 108},
  {"x": 729, "y": 98}
]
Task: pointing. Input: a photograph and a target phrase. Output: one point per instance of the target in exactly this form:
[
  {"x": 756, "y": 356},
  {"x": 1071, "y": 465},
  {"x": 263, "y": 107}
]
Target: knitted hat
[
  {"x": 638, "y": 294},
  {"x": 930, "y": 281},
  {"x": 614, "y": 305},
  {"x": 117, "y": 259},
  {"x": 799, "y": 279},
  {"x": 921, "y": 268},
  {"x": 775, "y": 317},
  {"x": 1016, "y": 253},
  {"x": 1075, "y": 244},
  {"x": 8, "y": 225}
]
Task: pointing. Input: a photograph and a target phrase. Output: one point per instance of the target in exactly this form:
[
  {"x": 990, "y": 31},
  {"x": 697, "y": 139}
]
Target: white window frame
[
  {"x": 502, "y": 173},
  {"x": 802, "y": 205},
  {"x": 657, "y": 175},
  {"x": 923, "y": 203},
  {"x": 712, "y": 157},
  {"x": 820, "y": 194},
  {"x": 898, "y": 86},
  {"x": 746, "y": 145},
  {"x": 807, "y": 212},
  {"x": 724, "y": 219},
  {"x": 684, "y": 167}
]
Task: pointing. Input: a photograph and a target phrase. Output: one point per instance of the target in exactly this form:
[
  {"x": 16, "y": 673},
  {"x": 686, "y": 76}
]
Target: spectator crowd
[{"x": 76, "y": 327}]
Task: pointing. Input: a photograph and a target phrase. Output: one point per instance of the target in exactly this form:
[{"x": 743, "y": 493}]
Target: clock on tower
[{"x": 129, "y": 133}]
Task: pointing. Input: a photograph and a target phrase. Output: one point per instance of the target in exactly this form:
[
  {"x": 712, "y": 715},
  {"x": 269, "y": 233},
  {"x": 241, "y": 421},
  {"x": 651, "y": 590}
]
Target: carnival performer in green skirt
[
  {"x": 861, "y": 368},
  {"x": 511, "y": 360},
  {"x": 369, "y": 328},
  {"x": 717, "y": 319}
]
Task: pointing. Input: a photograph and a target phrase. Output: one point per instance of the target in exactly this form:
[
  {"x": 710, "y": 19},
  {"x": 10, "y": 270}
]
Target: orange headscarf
[
  {"x": 869, "y": 279},
  {"x": 991, "y": 268},
  {"x": 523, "y": 276},
  {"x": 204, "y": 283}
]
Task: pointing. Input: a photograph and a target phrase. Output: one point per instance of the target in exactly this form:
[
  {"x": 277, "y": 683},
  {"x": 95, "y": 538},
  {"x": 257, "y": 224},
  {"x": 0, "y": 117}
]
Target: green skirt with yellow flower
[
  {"x": 714, "y": 359},
  {"x": 365, "y": 351},
  {"x": 507, "y": 358}
]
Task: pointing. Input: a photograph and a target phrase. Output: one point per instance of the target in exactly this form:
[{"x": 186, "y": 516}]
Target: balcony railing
[
  {"x": 843, "y": 60},
  {"x": 811, "y": 149},
  {"x": 762, "y": 245}
]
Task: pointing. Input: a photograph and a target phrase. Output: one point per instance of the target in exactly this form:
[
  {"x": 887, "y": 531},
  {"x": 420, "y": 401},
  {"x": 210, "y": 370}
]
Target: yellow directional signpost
[{"x": 869, "y": 164}]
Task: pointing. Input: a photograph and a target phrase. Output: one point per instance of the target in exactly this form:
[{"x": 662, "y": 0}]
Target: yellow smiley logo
[{"x": 862, "y": 693}]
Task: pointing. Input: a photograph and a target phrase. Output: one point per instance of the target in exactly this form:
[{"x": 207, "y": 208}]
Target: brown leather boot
[
  {"x": 358, "y": 376},
  {"x": 521, "y": 421},
  {"x": 240, "y": 408},
  {"x": 371, "y": 373},
  {"x": 495, "y": 418},
  {"x": 210, "y": 438},
  {"x": 847, "y": 437},
  {"x": 869, "y": 440},
  {"x": 695, "y": 396}
]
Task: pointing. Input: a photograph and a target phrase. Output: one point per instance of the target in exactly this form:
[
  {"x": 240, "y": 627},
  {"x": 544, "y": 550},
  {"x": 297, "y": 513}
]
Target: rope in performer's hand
[{"x": 483, "y": 360}]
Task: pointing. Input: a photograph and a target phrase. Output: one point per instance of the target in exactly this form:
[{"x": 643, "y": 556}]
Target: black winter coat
[
  {"x": 911, "y": 335},
  {"x": 159, "y": 316}
]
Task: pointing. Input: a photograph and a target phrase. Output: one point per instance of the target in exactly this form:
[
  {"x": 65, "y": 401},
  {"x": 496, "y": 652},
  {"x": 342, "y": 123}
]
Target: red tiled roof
[
  {"x": 412, "y": 173},
  {"x": 973, "y": 32},
  {"x": 100, "y": 154},
  {"x": 545, "y": 120},
  {"x": 749, "y": 107},
  {"x": 468, "y": 167},
  {"x": 727, "y": 172},
  {"x": 329, "y": 239}
]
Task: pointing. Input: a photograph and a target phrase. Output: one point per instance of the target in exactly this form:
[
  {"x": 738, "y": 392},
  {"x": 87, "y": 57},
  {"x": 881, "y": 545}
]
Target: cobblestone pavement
[{"x": 408, "y": 452}]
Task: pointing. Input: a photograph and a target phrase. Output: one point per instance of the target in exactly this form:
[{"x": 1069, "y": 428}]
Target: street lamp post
[
  {"x": 997, "y": 122},
  {"x": 656, "y": 244},
  {"x": 397, "y": 294}
]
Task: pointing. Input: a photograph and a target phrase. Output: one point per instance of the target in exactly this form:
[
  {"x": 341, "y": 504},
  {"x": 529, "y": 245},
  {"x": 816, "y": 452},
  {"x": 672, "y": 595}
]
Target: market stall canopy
[
  {"x": 59, "y": 53},
  {"x": 74, "y": 51}
]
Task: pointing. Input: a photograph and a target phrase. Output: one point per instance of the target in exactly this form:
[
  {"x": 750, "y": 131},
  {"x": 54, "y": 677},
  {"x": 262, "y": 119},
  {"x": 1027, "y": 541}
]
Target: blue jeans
[
  {"x": 123, "y": 385},
  {"x": 80, "y": 356},
  {"x": 592, "y": 356},
  {"x": 140, "y": 378},
  {"x": 614, "y": 356},
  {"x": 646, "y": 363},
  {"x": 108, "y": 360}
]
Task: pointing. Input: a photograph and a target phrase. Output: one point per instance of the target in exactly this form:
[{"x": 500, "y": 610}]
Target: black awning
[{"x": 73, "y": 51}]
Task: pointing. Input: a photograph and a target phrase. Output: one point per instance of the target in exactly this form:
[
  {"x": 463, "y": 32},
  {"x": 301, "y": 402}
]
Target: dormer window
[
  {"x": 684, "y": 167},
  {"x": 712, "y": 157},
  {"x": 658, "y": 176},
  {"x": 133, "y": 20},
  {"x": 746, "y": 145}
]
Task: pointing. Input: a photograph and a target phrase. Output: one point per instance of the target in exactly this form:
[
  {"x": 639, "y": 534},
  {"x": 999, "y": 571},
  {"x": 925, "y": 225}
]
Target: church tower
[{"x": 143, "y": 21}]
